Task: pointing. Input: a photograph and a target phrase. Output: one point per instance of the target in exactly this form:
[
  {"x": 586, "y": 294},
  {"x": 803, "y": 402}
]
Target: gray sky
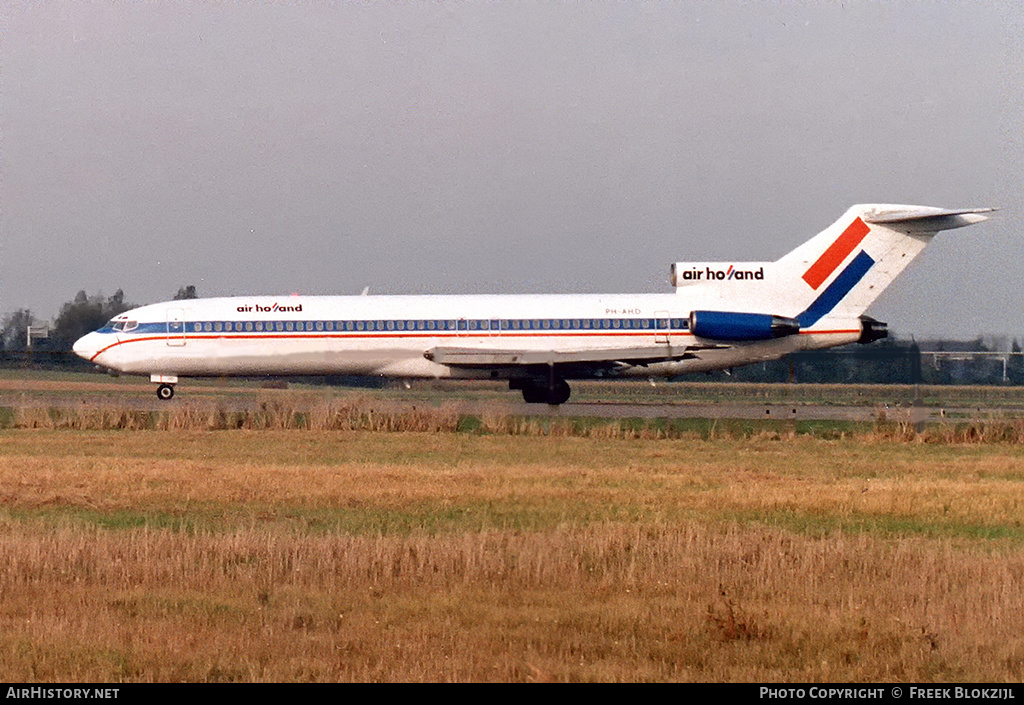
[{"x": 500, "y": 147}]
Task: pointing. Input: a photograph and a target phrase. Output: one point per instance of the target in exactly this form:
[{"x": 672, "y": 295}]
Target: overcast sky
[{"x": 500, "y": 147}]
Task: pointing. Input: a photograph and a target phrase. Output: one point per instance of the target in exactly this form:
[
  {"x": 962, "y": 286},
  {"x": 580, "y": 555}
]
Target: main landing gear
[
  {"x": 554, "y": 392},
  {"x": 165, "y": 392}
]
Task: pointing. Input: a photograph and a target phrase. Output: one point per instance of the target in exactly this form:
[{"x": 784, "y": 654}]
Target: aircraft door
[
  {"x": 661, "y": 327},
  {"x": 176, "y": 327}
]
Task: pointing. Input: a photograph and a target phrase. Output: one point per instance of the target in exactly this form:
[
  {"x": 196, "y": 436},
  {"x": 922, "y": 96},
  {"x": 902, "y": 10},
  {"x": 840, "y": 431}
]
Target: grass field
[{"x": 495, "y": 554}]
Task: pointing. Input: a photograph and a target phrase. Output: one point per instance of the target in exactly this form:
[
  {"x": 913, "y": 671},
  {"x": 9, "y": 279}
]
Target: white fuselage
[{"x": 390, "y": 335}]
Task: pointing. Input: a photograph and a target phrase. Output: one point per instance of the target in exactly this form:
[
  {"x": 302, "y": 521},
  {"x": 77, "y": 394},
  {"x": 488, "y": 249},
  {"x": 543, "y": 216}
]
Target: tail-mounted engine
[{"x": 737, "y": 326}]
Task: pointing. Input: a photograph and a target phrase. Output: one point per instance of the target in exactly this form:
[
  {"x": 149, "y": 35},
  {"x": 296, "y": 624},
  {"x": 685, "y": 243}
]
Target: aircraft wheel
[
  {"x": 560, "y": 393},
  {"x": 533, "y": 394},
  {"x": 164, "y": 392}
]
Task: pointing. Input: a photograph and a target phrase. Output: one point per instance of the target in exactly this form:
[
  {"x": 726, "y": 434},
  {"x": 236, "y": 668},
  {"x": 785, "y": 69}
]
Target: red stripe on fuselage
[
  {"x": 388, "y": 335},
  {"x": 504, "y": 334},
  {"x": 836, "y": 253}
]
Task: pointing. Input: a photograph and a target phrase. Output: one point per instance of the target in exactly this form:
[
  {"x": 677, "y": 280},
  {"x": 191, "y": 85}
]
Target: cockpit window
[{"x": 120, "y": 324}]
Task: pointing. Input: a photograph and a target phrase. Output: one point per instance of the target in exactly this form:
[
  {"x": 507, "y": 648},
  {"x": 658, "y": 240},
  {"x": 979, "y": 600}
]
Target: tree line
[{"x": 77, "y": 317}]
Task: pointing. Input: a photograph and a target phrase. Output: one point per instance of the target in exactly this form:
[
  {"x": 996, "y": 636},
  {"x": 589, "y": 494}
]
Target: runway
[
  {"x": 137, "y": 395},
  {"x": 770, "y": 412},
  {"x": 584, "y": 409}
]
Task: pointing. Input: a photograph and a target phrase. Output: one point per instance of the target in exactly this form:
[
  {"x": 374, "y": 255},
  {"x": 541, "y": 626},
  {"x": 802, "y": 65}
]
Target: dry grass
[
  {"x": 607, "y": 602},
  {"x": 276, "y": 555},
  {"x": 313, "y": 412},
  {"x": 535, "y": 481}
]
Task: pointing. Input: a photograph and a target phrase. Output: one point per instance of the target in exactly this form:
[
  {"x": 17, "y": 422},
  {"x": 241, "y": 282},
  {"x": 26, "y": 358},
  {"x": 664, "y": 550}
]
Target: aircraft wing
[{"x": 488, "y": 357}]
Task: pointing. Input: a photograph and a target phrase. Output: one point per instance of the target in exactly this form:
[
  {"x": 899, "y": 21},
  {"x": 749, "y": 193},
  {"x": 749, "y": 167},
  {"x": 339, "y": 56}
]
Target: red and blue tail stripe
[
  {"x": 836, "y": 253},
  {"x": 825, "y": 265}
]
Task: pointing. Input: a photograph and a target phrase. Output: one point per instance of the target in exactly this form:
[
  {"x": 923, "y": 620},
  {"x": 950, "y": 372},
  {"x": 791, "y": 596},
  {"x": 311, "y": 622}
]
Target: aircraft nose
[{"x": 86, "y": 347}]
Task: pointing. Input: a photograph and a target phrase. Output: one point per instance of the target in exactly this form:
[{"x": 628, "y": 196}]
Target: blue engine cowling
[{"x": 735, "y": 326}]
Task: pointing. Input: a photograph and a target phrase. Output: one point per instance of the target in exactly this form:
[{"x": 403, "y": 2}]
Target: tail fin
[
  {"x": 846, "y": 267},
  {"x": 840, "y": 271}
]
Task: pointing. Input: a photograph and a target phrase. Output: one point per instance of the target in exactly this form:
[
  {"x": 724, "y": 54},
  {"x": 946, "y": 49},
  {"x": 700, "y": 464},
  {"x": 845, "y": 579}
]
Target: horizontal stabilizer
[{"x": 925, "y": 218}]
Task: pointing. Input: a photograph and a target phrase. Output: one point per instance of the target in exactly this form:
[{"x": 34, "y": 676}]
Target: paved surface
[
  {"x": 133, "y": 393},
  {"x": 146, "y": 401},
  {"x": 732, "y": 410}
]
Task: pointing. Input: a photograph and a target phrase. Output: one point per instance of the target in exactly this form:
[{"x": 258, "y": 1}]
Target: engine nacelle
[
  {"x": 736, "y": 326},
  {"x": 872, "y": 330}
]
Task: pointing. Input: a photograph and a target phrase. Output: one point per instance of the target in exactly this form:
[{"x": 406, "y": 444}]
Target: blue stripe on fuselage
[
  {"x": 837, "y": 290},
  {"x": 398, "y": 327}
]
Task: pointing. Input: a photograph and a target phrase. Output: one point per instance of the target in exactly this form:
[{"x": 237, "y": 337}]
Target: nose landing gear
[{"x": 166, "y": 389}]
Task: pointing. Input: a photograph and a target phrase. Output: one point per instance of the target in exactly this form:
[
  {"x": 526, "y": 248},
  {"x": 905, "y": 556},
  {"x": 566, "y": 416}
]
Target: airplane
[{"x": 722, "y": 315}]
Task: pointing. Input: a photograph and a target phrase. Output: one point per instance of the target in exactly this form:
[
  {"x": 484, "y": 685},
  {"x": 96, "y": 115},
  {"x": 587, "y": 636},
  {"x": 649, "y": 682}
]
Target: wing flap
[{"x": 484, "y": 357}]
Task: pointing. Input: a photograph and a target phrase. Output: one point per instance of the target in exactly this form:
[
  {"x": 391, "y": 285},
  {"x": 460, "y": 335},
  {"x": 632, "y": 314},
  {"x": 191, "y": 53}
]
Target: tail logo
[{"x": 836, "y": 253}]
